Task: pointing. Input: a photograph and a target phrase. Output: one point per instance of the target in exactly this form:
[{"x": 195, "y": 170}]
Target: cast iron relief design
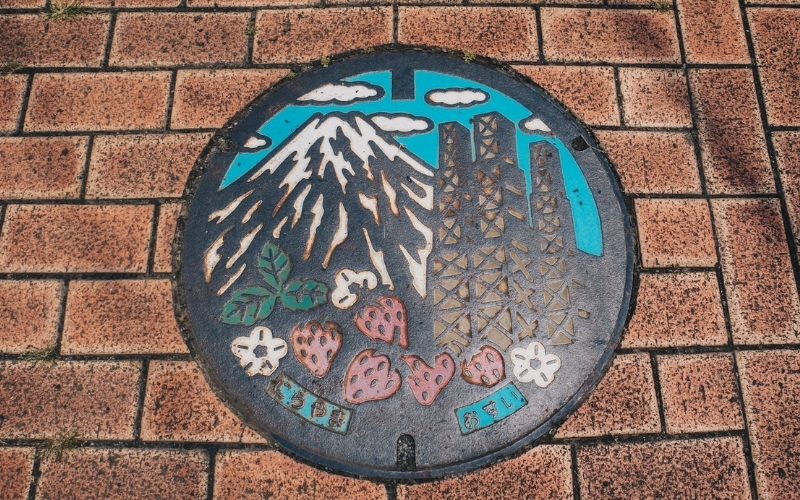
[{"x": 404, "y": 248}]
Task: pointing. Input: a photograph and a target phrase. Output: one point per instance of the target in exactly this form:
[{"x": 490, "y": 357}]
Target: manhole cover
[{"x": 406, "y": 265}]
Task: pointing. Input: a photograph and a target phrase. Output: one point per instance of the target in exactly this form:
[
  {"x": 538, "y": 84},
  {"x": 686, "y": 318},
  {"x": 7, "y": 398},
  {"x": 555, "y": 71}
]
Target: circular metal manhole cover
[{"x": 406, "y": 265}]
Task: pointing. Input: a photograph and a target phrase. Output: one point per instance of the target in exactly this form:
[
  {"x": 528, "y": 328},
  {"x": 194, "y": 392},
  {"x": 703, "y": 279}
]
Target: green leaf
[
  {"x": 248, "y": 305},
  {"x": 304, "y": 295},
  {"x": 274, "y": 265}
]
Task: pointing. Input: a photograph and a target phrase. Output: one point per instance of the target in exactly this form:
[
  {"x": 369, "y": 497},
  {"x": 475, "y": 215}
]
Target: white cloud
[
  {"x": 401, "y": 123},
  {"x": 340, "y": 92},
  {"x": 460, "y": 97},
  {"x": 535, "y": 124},
  {"x": 253, "y": 143}
]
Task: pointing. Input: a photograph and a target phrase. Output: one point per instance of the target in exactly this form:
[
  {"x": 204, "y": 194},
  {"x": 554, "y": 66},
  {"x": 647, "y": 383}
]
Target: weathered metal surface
[{"x": 406, "y": 264}]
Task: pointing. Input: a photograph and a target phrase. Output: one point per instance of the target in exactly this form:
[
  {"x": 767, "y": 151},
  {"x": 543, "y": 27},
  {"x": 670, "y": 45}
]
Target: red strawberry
[
  {"x": 316, "y": 346},
  {"x": 369, "y": 378},
  {"x": 485, "y": 368},
  {"x": 385, "y": 321},
  {"x": 427, "y": 382}
]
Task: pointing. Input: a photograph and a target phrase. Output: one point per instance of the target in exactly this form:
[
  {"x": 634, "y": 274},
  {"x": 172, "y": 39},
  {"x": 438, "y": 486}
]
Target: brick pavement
[{"x": 696, "y": 103}]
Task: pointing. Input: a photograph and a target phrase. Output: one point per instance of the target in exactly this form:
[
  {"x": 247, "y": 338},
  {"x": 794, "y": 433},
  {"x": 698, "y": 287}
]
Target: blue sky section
[{"x": 585, "y": 217}]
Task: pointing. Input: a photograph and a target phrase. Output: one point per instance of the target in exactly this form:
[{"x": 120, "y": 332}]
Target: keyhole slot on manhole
[{"x": 406, "y": 453}]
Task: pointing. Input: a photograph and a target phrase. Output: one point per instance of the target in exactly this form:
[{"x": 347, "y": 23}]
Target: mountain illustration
[{"x": 335, "y": 195}]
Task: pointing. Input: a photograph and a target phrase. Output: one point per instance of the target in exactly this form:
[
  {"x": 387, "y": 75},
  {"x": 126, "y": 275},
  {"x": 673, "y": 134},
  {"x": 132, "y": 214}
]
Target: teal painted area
[
  {"x": 585, "y": 217},
  {"x": 309, "y": 406},
  {"x": 493, "y": 408}
]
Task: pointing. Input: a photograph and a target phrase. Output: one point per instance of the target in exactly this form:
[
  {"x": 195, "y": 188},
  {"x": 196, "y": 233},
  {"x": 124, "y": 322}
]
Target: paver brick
[
  {"x": 21, "y": 4},
  {"x": 130, "y": 3},
  {"x": 613, "y": 36},
  {"x": 624, "y": 402},
  {"x": 262, "y": 3},
  {"x": 713, "y": 32},
  {"x": 699, "y": 393},
  {"x": 179, "y": 405},
  {"x": 762, "y": 296},
  {"x": 12, "y": 89},
  {"x": 776, "y": 37},
  {"x": 702, "y": 468},
  {"x": 209, "y": 98},
  {"x": 675, "y": 233},
  {"x": 121, "y": 317},
  {"x": 787, "y": 154},
  {"x": 732, "y": 143},
  {"x": 16, "y": 468},
  {"x": 588, "y": 91},
  {"x": 165, "y": 233},
  {"x": 29, "y": 314},
  {"x": 505, "y": 33},
  {"x": 125, "y": 474},
  {"x": 253, "y": 475},
  {"x": 653, "y": 162},
  {"x": 164, "y": 39},
  {"x": 98, "y": 101},
  {"x": 305, "y": 35},
  {"x": 676, "y": 310},
  {"x": 42, "y": 167},
  {"x": 771, "y": 392},
  {"x": 95, "y": 399},
  {"x": 142, "y": 165},
  {"x": 655, "y": 97},
  {"x": 541, "y": 473},
  {"x": 75, "y": 238},
  {"x": 33, "y": 41}
]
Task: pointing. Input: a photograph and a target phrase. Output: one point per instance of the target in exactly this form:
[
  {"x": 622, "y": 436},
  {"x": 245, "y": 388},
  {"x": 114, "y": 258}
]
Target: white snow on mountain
[
  {"x": 340, "y": 92},
  {"x": 361, "y": 144}
]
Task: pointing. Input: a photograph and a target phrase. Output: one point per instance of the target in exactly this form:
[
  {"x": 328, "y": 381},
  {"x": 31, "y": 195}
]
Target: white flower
[
  {"x": 532, "y": 364},
  {"x": 244, "y": 348}
]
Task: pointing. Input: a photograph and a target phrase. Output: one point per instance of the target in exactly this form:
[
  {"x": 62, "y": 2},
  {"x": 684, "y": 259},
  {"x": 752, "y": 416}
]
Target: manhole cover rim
[{"x": 241, "y": 409}]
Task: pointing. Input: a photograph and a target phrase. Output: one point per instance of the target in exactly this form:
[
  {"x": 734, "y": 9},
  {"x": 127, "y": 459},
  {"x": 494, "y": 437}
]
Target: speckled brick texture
[
  {"x": 675, "y": 233},
  {"x": 587, "y": 91},
  {"x": 88, "y": 399},
  {"x": 142, "y": 165},
  {"x": 97, "y": 101},
  {"x": 121, "y": 317},
  {"x": 498, "y": 32},
  {"x": 699, "y": 393},
  {"x": 776, "y": 38},
  {"x": 69, "y": 238},
  {"x": 209, "y": 98},
  {"x": 614, "y": 36},
  {"x": 732, "y": 142},
  {"x": 542, "y": 473},
  {"x": 125, "y": 474},
  {"x": 253, "y": 475},
  {"x": 12, "y": 89},
  {"x": 762, "y": 293},
  {"x": 166, "y": 39},
  {"x": 699, "y": 468},
  {"x": 32, "y": 41},
  {"x": 16, "y": 465},
  {"x": 42, "y": 167},
  {"x": 180, "y": 406},
  {"x": 771, "y": 390},
  {"x": 677, "y": 310},
  {"x": 653, "y": 162},
  {"x": 308, "y": 34},
  {"x": 103, "y": 115},
  {"x": 624, "y": 402},
  {"x": 29, "y": 314}
]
